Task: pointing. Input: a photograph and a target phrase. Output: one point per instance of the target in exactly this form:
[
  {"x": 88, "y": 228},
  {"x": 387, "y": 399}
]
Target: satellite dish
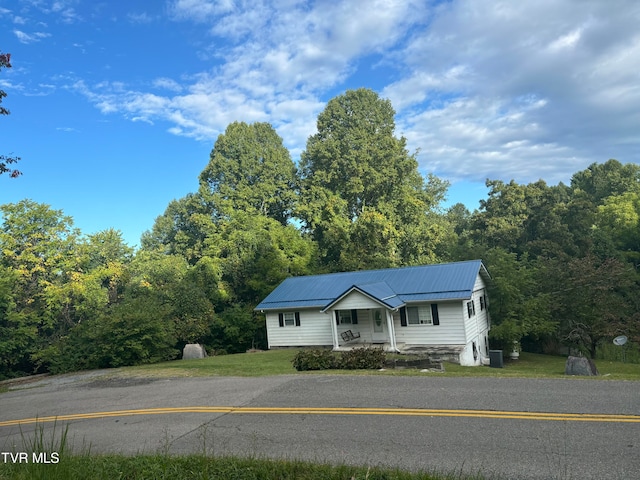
[{"x": 621, "y": 340}]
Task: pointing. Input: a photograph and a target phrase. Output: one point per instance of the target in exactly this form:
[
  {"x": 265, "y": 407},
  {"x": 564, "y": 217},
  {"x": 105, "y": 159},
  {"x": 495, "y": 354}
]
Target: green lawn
[{"x": 278, "y": 362}]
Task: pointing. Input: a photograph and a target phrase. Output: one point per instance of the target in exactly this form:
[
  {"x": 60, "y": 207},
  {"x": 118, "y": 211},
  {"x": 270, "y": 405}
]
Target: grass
[
  {"x": 165, "y": 466},
  {"x": 278, "y": 362},
  {"x": 159, "y": 467},
  {"x": 255, "y": 364}
]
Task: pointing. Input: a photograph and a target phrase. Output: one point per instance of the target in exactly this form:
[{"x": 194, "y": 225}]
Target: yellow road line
[{"x": 572, "y": 417}]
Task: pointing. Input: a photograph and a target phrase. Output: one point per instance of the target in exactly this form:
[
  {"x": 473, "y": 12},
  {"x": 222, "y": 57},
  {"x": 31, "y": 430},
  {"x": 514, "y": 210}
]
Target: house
[{"x": 440, "y": 310}]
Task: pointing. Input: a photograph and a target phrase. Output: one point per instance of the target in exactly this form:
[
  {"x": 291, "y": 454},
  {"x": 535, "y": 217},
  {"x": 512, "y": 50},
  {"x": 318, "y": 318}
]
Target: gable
[{"x": 355, "y": 300}]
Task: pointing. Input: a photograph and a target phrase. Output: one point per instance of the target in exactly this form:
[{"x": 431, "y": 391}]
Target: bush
[
  {"x": 358, "y": 358},
  {"x": 362, "y": 358},
  {"x": 317, "y": 359}
]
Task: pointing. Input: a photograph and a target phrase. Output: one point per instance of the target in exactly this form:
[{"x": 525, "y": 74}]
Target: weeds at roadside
[{"x": 164, "y": 466}]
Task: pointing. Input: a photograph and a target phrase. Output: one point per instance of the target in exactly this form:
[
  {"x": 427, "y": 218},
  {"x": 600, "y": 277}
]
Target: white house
[{"x": 436, "y": 309}]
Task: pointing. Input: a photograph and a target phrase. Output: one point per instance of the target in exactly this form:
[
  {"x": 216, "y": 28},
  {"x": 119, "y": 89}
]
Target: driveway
[{"x": 504, "y": 428}]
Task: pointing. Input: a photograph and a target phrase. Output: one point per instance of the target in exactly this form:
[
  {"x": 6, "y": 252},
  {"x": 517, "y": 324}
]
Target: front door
[{"x": 379, "y": 322}]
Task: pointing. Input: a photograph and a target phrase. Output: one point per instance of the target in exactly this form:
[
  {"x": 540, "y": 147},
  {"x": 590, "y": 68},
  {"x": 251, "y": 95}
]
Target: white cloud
[
  {"x": 521, "y": 89},
  {"x": 65, "y": 11},
  {"x": 199, "y": 10},
  {"x": 278, "y": 60},
  {"x": 484, "y": 88},
  {"x": 167, "y": 84},
  {"x": 142, "y": 18},
  {"x": 30, "y": 38}
]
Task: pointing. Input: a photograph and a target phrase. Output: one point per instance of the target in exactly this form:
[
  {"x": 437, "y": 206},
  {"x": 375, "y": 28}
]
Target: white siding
[
  {"x": 355, "y": 300},
  {"x": 477, "y": 325},
  {"x": 314, "y": 330},
  {"x": 449, "y": 332},
  {"x": 476, "y": 328}
]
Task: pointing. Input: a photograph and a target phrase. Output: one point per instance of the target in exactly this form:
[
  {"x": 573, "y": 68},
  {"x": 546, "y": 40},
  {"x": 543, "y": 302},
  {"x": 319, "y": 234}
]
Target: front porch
[{"x": 364, "y": 327}]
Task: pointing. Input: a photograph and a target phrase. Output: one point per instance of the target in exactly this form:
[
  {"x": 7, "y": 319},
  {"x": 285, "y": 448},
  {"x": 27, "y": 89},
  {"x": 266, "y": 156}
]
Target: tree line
[{"x": 563, "y": 258}]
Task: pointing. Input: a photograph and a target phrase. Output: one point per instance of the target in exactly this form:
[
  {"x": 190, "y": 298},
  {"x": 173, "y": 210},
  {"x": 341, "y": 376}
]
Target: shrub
[
  {"x": 317, "y": 359},
  {"x": 362, "y": 358}
]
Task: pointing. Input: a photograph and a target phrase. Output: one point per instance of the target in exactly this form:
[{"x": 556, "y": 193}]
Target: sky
[{"x": 115, "y": 106}]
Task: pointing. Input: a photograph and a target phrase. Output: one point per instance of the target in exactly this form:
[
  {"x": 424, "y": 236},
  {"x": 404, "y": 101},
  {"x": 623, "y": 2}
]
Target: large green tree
[
  {"x": 250, "y": 170},
  {"x": 602, "y": 180},
  {"x": 591, "y": 298},
  {"x": 362, "y": 196},
  {"x": 38, "y": 243}
]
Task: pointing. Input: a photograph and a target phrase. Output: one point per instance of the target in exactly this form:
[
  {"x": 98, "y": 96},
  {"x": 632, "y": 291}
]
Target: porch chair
[{"x": 349, "y": 336}]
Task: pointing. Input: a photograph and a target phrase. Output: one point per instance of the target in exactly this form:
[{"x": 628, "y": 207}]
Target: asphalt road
[{"x": 417, "y": 423}]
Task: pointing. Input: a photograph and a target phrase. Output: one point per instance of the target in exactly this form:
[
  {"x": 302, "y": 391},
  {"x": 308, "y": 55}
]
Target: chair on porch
[{"x": 349, "y": 336}]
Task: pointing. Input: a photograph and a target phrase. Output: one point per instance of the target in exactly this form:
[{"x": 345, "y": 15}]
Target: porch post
[
  {"x": 392, "y": 332},
  {"x": 334, "y": 329}
]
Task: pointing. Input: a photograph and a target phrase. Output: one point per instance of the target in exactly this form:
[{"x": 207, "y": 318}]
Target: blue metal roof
[{"x": 394, "y": 286}]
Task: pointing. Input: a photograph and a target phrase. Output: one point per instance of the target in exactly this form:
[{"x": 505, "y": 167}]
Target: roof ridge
[{"x": 406, "y": 267}]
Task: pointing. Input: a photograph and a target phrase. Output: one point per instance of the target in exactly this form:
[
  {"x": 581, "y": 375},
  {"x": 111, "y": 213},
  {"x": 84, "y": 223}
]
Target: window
[
  {"x": 419, "y": 315},
  {"x": 481, "y": 302},
  {"x": 471, "y": 308},
  {"x": 346, "y": 317},
  {"x": 289, "y": 319}
]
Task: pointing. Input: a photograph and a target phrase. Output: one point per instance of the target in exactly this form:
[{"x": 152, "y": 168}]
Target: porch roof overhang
[{"x": 379, "y": 292}]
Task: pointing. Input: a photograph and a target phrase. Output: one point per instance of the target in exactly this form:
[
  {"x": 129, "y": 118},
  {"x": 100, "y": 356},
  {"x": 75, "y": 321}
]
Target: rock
[
  {"x": 193, "y": 350},
  {"x": 580, "y": 366}
]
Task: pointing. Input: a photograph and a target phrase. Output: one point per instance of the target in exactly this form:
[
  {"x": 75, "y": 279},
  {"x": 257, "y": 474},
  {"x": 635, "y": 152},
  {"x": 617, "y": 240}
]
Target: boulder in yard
[
  {"x": 580, "y": 366},
  {"x": 193, "y": 350}
]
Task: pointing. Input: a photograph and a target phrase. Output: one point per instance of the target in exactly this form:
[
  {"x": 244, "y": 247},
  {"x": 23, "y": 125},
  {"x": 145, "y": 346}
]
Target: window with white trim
[
  {"x": 419, "y": 315},
  {"x": 289, "y": 319}
]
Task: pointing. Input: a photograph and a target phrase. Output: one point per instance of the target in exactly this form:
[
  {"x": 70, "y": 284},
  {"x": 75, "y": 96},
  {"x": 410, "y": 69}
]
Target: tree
[
  {"x": 619, "y": 219},
  {"x": 362, "y": 197},
  {"x": 39, "y": 244},
  {"x": 182, "y": 229},
  {"x": 18, "y": 330},
  {"x": 250, "y": 170},
  {"x": 5, "y": 161},
  {"x": 519, "y": 307},
  {"x": 590, "y": 298},
  {"x": 602, "y": 180}
]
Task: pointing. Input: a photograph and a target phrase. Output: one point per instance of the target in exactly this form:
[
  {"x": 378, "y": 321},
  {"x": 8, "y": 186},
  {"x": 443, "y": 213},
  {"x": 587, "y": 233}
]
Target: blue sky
[{"x": 115, "y": 106}]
